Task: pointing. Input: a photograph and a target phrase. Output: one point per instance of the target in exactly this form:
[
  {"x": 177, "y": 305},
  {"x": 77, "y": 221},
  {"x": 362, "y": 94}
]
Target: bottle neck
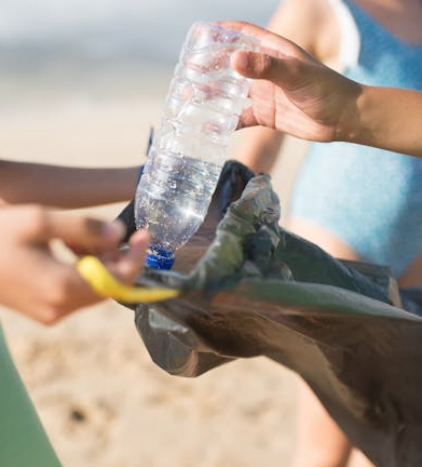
[{"x": 157, "y": 258}]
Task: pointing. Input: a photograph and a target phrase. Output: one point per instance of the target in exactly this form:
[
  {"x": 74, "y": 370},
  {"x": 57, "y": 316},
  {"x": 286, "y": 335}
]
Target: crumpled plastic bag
[{"x": 251, "y": 288}]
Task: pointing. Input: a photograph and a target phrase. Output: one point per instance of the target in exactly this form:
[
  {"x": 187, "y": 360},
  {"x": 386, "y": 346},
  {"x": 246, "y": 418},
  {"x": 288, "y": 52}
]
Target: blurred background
[
  {"x": 100, "y": 49},
  {"x": 107, "y": 30},
  {"x": 81, "y": 83}
]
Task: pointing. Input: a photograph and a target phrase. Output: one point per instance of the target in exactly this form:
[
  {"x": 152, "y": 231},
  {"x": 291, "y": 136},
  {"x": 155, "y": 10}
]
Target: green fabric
[{"x": 23, "y": 441}]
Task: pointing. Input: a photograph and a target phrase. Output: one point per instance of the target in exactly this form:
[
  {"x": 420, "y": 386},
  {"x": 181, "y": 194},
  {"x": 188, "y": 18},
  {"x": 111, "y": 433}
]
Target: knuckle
[
  {"x": 126, "y": 271},
  {"x": 49, "y": 315},
  {"x": 264, "y": 65},
  {"x": 58, "y": 296},
  {"x": 37, "y": 218},
  {"x": 92, "y": 227}
]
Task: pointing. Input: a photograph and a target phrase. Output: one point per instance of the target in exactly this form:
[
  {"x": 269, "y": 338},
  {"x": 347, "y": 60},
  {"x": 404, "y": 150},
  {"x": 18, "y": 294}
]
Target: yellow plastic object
[{"x": 106, "y": 285}]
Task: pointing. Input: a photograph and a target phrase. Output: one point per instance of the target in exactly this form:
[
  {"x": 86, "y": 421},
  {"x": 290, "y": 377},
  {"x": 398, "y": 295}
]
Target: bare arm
[
  {"x": 386, "y": 118},
  {"x": 296, "y": 94},
  {"x": 64, "y": 187},
  {"x": 260, "y": 148}
]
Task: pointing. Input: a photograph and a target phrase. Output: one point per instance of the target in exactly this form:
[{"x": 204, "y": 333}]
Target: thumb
[
  {"x": 286, "y": 72},
  {"x": 82, "y": 233},
  {"x": 131, "y": 262},
  {"x": 257, "y": 65}
]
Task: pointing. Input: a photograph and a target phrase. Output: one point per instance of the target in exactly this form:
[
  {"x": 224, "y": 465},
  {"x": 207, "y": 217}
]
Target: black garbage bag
[{"x": 251, "y": 288}]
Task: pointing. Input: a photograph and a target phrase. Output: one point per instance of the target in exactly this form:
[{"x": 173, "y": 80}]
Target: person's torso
[{"x": 372, "y": 197}]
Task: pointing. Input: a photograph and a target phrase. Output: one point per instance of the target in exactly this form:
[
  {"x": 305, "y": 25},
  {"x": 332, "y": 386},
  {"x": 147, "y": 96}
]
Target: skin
[
  {"x": 296, "y": 94},
  {"x": 51, "y": 289},
  {"x": 64, "y": 187},
  {"x": 311, "y": 101},
  {"x": 314, "y": 27},
  {"x": 44, "y": 287}
]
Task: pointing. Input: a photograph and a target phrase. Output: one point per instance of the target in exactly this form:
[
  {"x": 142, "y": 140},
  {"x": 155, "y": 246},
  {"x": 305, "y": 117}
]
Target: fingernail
[{"x": 114, "y": 230}]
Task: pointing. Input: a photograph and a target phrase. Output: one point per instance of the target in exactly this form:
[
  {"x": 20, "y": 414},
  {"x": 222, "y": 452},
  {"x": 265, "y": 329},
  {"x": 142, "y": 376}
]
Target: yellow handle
[{"x": 106, "y": 285}]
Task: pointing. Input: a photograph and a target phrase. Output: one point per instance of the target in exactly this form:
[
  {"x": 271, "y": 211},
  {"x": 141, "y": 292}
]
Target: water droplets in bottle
[{"x": 202, "y": 108}]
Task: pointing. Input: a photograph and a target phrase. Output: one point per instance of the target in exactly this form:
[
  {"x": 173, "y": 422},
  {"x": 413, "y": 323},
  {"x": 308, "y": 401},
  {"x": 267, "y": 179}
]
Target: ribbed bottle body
[{"x": 202, "y": 110}]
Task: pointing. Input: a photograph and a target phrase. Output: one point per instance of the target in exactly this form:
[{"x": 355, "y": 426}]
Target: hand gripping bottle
[{"x": 202, "y": 109}]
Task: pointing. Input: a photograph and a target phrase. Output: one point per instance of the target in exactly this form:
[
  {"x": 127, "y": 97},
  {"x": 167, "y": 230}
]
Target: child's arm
[{"x": 64, "y": 187}]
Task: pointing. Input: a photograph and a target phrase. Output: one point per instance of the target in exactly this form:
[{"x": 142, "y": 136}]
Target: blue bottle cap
[{"x": 159, "y": 259}]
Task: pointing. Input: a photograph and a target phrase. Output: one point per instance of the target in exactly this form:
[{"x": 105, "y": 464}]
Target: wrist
[
  {"x": 351, "y": 125},
  {"x": 388, "y": 118}
]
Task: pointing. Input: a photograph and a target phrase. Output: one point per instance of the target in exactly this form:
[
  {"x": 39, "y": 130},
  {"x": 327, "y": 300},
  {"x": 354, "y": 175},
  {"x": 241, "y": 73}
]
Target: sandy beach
[{"x": 101, "y": 399}]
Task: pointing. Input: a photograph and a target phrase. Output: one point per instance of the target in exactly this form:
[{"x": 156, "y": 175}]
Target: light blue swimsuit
[{"x": 369, "y": 198}]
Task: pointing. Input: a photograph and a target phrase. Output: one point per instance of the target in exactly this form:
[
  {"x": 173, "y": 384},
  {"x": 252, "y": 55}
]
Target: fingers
[
  {"x": 85, "y": 234},
  {"x": 129, "y": 264},
  {"x": 243, "y": 27},
  {"x": 282, "y": 71},
  {"x": 247, "y": 119},
  {"x": 254, "y": 65},
  {"x": 68, "y": 293},
  {"x": 271, "y": 43},
  {"x": 54, "y": 288},
  {"x": 287, "y": 73},
  {"x": 68, "y": 290},
  {"x": 125, "y": 266}
]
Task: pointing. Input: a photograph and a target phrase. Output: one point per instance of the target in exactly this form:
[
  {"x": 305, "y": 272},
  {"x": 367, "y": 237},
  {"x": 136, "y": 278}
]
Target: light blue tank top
[{"x": 369, "y": 198}]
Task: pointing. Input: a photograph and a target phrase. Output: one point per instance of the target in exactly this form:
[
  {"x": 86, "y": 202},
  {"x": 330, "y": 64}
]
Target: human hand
[
  {"x": 292, "y": 92},
  {"x": 34, "y": 282}
]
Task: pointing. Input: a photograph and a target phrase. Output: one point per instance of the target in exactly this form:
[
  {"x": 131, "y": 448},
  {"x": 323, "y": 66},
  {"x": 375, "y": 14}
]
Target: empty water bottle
[{"x": 202, "y": 109}]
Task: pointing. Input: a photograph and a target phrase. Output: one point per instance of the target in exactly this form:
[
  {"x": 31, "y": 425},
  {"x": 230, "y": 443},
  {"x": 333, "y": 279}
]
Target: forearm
[
  {"x": 64, "y": 187},
  {"x": 387, "y": 118},
  {"x": 260, "y": 148}
]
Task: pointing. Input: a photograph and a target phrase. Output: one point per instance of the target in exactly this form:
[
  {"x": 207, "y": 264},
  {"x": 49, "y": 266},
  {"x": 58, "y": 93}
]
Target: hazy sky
[{"x": 159, "y": 25}]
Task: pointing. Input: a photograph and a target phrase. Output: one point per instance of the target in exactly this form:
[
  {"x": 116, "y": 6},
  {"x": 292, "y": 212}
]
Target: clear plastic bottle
[{"x": 202, "y": 109}]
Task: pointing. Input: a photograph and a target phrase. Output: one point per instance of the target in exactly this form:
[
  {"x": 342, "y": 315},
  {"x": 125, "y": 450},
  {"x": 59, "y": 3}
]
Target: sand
[{"x": 102, "y": 400}]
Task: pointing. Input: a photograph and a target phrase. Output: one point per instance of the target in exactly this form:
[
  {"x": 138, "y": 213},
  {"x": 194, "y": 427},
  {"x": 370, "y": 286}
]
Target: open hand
[{"x": 291, "y": 91}]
